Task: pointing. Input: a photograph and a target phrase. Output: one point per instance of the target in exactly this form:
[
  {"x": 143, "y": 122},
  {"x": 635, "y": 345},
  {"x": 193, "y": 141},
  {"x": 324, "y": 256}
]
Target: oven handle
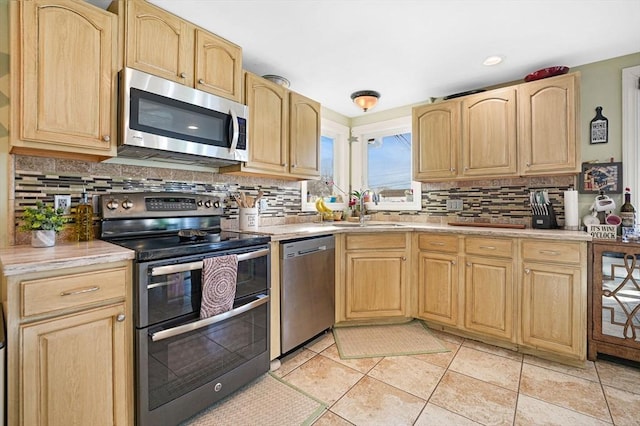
[
  {"x": 192, "y": 266},
  {"x": 186, "y": 328}
]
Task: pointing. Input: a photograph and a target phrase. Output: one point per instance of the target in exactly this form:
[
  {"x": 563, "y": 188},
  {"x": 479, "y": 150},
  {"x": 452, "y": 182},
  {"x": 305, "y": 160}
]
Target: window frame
[
  {"x": 359, "y": 165},
  {"x": 631, "y": 129},
  {"x": 340, "y": 135}
]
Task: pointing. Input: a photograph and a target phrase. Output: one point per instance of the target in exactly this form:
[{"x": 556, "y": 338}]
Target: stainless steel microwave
[{"x": 167, "y": 121}]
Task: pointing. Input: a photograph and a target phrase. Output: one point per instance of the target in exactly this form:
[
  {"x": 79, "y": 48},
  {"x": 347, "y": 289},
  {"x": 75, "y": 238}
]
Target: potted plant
[{"x": 44, "y": 222}]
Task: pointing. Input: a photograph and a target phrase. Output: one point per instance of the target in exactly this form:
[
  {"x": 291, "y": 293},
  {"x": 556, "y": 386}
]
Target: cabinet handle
[
  {"x": 120, "y": 317},
  {"x": 453, "y": 169},
  {"x": 527, "y": 271},
  {"x": 466, "y": 168},
  {"x": 488, "y": 247},
  {"x": 183, "y": 75},
  {"x": 82, "y": 290},
  {"x": 550, "y": 252},
  {"x": 453, "y": 262},
  {"x": 200, "y": 81},
  {"x": 404, "y": 257},
  {"x": 528, "y": 164},
  {"x": 468, "y": 263},
  {"x": 436, "y": 243},
  {"x": 284, "y": 164},
  {"x": 106, "y": 138},
  {"x": 293, "y": 166}
]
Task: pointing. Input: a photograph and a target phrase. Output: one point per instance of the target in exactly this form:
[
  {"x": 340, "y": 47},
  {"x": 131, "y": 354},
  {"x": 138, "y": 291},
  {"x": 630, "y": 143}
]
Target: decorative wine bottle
[
  {"x": 84, "y": 219},
  {"x": 627, "y": 213}
]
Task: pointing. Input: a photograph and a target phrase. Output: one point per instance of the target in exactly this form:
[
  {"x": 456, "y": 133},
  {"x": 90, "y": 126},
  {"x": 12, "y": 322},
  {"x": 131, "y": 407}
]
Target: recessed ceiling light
[
  {"x": 192, "y": 127},
  {"x": 492, "y": 60}
]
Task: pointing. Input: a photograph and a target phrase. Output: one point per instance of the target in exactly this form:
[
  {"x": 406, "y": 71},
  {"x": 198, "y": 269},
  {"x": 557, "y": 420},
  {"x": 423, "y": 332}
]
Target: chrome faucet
[{"x": 374, "y": 198}]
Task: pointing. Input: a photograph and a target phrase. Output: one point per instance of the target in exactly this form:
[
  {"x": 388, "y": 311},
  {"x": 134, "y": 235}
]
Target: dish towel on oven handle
[{"x": 220, "y": 274}]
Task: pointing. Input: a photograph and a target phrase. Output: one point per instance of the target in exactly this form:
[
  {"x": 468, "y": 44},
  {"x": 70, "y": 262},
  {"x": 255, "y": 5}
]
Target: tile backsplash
[{"x": 492, "y": 200}]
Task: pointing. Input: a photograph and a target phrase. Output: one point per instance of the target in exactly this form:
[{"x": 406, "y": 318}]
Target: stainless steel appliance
[
  {"x": 162, "y": 119},
  {"x": 184, "y": 364},
  {"x": 307, "y": 289}
]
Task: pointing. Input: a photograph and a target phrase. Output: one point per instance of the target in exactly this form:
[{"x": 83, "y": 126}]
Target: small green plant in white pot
[{"x": 44, "y": 222}]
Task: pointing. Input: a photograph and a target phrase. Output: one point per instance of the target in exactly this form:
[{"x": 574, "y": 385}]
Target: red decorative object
[{"x": 546, "y": 72}]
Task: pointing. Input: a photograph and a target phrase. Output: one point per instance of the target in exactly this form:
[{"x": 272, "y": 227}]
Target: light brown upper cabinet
[
  {"x": 65, "y": 53},
  {"x": 547, "y": 131},
  {"x": 284, "y": 132},
  {"x": 526, "y": 129},
  {"x": 436, "y": 132},
  {"x": 489, "y": 133},
  {"x": 162, "y": 44}
]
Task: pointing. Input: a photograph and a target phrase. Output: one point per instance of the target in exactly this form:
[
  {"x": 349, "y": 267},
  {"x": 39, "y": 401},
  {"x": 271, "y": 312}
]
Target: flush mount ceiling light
[
  {"x": 277, "y": 79},
  {"x": 492, "y": 60},
  {"x": 365, "y": 99}
]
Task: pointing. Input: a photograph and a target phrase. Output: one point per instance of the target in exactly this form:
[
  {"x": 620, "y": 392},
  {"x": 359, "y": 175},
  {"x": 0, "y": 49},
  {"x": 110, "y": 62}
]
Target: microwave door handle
[
  {"x": 236, "y": 131},
  {"x": 186, "y": 328}
]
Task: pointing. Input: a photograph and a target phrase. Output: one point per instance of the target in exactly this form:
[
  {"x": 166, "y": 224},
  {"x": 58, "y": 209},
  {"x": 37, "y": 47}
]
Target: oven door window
[
  {"x": 176, "y": 365},
  {"x": 178, "y": 294},
  {"x": 175, "y": 119}
]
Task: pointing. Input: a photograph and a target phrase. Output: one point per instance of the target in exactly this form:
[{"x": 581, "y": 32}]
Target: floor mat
[
  {"x": 265, "y": 401},
  {"x": 369, "y": 341}
]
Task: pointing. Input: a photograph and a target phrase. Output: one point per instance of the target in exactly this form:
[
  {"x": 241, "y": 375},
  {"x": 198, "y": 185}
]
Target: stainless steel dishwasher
[{"x": 307, "y": 294}]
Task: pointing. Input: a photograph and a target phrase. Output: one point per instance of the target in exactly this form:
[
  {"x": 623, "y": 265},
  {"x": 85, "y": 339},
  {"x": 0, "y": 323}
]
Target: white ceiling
[{"x": 412, "y": 50}]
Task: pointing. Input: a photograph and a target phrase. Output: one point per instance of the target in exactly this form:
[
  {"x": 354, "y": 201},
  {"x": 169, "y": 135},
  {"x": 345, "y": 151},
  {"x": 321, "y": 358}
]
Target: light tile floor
[{"x": 472, "y": 384}]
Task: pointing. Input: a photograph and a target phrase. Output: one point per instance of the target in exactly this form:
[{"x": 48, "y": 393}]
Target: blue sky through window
[{"x": 389, "y": 162}]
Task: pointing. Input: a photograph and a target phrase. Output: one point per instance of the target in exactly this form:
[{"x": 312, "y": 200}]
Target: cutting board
[{"x": 489, "y": 225}]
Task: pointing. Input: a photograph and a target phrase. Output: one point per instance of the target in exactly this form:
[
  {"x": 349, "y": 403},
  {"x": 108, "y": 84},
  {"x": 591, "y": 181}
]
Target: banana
[
  {"x": 325, "y": 209},
  {"x": 319, "y": 202}
]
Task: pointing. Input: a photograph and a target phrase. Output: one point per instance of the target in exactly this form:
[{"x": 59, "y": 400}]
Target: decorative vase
[{"x": 43, "y": 238}]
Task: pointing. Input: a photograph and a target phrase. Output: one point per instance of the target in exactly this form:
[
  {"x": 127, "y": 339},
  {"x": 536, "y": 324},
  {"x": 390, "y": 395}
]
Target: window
[
  {"x": 384, "y": 165},
  {"x": 334, "y": 169}
]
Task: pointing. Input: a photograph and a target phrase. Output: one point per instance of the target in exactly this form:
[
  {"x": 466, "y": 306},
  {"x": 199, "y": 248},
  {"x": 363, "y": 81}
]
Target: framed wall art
[
  {"x": 596, "y": 177},
  {"x": 599, "y": 129}
]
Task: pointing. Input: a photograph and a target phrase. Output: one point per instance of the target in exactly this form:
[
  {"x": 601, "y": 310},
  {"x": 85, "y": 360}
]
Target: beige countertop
[
  {"x": 301, "y": 230},
  {"x": 15, "y": 260}
]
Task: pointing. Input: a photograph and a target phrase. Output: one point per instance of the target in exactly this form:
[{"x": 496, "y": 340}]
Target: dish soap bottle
[{"x": 84, "y": 219}]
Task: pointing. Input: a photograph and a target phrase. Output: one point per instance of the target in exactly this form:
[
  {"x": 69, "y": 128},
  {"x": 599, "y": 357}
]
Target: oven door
[
  {"x": 186, "y": 365},
  {"x": 170, "y": 289}
]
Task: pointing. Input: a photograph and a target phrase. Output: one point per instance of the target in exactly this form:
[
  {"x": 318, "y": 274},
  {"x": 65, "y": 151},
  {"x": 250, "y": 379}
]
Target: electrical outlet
[
  {"x": 262, "y": 205},
  {"x": 454, "y": 205},
  {"x": 62, "y": 202}
]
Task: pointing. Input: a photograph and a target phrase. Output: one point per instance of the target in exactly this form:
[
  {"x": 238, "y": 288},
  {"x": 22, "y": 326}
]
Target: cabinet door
[
  {"x": 438, "y": 287},
  {"x": 304, "y": 137},
  {"x": 436, "y": 136},
  {"x": 376, "y": 284},
  {"x": 268, "y": 125},
  {"x": 74, "y": 369},
  {"x": 159, "y": 43},
  {"x": 489, "y": 133},
  {"x": 552, "y": 311},
  {"x": 218, "y": 66},
  {"x": 547, "y": 126},
  {"x": 68, "y": 75},
  {"x": 489, "y": 296}
]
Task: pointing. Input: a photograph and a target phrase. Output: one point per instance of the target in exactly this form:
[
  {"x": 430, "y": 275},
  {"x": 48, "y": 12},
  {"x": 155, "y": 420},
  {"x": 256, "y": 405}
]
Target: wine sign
[
  {"x": 599, "y": 127},
  {"x": 603, "y": 232}
]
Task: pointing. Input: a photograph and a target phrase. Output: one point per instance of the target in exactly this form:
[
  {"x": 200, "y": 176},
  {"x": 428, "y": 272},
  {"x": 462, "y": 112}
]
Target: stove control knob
[
  {"x": 113, "y": 204},
  {"x": 127, "y": 204},
  {"x": 216, "y": 204},
  {"x": 207, "y": 204},
  {"x": 199, "y": 203}
]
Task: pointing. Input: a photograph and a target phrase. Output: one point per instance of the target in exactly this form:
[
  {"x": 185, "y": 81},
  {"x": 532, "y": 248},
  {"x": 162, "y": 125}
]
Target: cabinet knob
[
  {"x": 106, "y": 138},
  {"x": 527, "y": 271},
  {"x": 183, "y": 75},
  {"x": 200, "y": 81},
  {"x": 404, "y": 257},
  {"x": 453, "y": 169},
  {"x": 528, "y": 164},
  {"x": 120, "y": 317},
  {"x": 453, "y": 262},
  {"x": 468, "y": 263},
  {"x": 293, "y": 166},
  {"x": 284, "y": 164}
]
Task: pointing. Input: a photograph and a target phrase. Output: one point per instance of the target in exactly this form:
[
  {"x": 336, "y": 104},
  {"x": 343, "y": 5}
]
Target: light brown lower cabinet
[{"x": 70, "y": 361}]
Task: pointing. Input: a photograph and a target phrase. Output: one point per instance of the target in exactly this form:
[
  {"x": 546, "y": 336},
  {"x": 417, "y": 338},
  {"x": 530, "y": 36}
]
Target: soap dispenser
[{"x": 84, "y": 219}]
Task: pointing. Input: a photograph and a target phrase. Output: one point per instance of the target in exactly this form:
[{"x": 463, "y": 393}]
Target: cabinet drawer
[
  {"x": 483, "y": 246},
  {"x": 437, "y": 242},
  {"x": 550, "y": 251},
  {"x": 383, "y": 240},
  {"x": 68, "y": 291}
]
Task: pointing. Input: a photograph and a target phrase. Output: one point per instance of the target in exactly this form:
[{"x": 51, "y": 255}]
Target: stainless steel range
[{"x": 183, "y": 363}]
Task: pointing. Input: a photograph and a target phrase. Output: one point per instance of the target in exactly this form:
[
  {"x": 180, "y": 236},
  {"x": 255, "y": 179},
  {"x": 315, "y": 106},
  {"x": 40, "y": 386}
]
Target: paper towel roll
[{"x": 571, "y": 220}]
